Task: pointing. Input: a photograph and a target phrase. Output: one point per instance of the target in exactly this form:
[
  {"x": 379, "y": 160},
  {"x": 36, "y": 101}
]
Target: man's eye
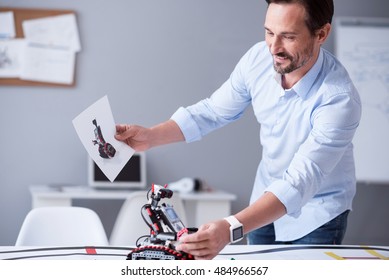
[{"x": 289, "y": 37}]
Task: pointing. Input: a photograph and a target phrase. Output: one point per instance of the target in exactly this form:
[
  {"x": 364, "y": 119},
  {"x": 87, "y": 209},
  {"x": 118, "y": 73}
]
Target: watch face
[{"x": 237, "y": 233}]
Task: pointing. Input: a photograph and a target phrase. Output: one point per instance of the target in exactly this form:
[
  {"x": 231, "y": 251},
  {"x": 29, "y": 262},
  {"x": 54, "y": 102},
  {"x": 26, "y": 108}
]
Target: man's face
[{"x": 288, "y": 38}]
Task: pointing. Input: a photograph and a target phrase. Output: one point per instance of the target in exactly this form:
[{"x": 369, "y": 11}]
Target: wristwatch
[{"x": 236, "y": 229}]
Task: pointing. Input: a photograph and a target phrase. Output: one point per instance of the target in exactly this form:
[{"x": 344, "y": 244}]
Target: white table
[
  {"x": 236, "y": 252},
  {"x": 200, "y": 207},
  {"x": 234, "y": 262}
]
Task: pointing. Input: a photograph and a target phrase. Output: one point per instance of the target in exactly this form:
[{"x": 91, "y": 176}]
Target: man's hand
[
  {"x": 141, "y": 139},
  {"x": 135, "y": 136},
  {"x": 208, "y": 241}
]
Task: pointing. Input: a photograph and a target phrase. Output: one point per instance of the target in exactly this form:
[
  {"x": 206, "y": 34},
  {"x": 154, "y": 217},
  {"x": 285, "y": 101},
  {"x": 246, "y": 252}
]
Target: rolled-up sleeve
[{"x": 188, "y": 126}]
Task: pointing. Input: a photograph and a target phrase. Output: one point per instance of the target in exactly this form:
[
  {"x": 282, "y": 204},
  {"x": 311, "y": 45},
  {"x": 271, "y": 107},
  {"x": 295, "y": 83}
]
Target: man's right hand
[
  {"x": 135, "y": 136},
  {"x": 141, "y": 139}
]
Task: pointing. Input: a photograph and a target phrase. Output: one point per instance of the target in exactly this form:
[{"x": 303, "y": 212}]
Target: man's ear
[{"x": 323, "y": 33}]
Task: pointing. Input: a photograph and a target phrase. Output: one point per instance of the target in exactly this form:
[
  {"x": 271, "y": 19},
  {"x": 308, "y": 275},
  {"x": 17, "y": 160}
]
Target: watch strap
[
  {"x": 236, "y": 229},
  {"x": 232, "y": 221}
]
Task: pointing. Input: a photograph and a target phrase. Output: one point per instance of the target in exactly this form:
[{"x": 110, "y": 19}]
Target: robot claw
[{"x": 166, "y": 228}]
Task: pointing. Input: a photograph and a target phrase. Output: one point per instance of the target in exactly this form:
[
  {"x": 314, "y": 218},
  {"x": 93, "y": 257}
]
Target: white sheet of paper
[
  {"x": 83, "y": 123},
  {"x": 48, "y": 65},
  {"x": 7, "y": 25},
  {"x": 56, "y": 31},
  {"x": 11, "y": 57}
]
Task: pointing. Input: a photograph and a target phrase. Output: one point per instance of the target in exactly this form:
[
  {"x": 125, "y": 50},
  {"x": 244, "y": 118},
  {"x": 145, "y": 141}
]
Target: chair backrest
[
  {"x": 62, "y": 226},
  {"x": 129, "y": 224}
]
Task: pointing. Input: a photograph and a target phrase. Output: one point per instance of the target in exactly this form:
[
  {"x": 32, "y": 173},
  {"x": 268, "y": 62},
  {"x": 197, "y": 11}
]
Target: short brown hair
[{"x": 319, "y": 12}]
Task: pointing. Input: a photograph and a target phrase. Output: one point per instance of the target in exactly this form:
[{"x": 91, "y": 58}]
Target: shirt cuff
[
  {"x": 187, "y": 125},
  {"x": 288, "y": 195}
]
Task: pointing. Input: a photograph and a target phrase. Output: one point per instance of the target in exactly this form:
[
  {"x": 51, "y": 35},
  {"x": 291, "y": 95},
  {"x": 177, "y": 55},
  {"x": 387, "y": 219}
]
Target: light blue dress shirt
[{"x": 306, "y": 133}]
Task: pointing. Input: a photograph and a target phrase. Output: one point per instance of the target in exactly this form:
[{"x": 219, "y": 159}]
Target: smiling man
[{"x": 308, "y": 110}]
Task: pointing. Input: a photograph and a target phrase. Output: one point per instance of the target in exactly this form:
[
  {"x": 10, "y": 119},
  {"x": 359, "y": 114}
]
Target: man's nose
[{"x": 276, "y": 45}]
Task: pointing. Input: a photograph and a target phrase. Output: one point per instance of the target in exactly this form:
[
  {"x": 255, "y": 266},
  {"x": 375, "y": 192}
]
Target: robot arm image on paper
[
  {"x": 106, "y": 150},
  {"x": 166, "y": 228}
]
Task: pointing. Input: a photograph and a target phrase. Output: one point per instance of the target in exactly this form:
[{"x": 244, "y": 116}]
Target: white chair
[
  {"x": 62, "y": 226},
  {"x": 129, "y": 224}
]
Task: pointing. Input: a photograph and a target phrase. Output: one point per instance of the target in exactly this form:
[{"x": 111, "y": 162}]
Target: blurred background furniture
[
  {"x": 200, "y": 207},
  {"x": 62, "y": 226}
]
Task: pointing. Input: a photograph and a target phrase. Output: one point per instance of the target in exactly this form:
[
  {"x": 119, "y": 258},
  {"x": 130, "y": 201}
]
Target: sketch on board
[
  {"x": 5, "y": 59},
  {"x": 11, "y": 58},
  {"x": 371, "y": 65}
]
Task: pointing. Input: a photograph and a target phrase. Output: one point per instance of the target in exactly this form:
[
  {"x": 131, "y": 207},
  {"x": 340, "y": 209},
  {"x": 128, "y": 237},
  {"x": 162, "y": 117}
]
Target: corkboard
[{"x": 21, "y": 14}]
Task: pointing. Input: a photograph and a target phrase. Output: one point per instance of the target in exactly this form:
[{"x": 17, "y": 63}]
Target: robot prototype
[{"x": 166, "y": 228}]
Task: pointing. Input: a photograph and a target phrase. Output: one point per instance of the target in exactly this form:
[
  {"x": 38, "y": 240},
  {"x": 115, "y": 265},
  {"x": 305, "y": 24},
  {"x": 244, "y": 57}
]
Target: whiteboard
[{"x": 362, "y": 45}]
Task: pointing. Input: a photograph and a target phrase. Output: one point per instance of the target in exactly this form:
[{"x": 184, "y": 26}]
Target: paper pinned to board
[
  {"x": 56, "y": 31},
  {"x": 11, "y": 58},
  {"x": 96, "y": 129},
  {"x": 7, "y": 25},
  {"x": 50, "y": 49},
  {"x": 48, "y": 65}
]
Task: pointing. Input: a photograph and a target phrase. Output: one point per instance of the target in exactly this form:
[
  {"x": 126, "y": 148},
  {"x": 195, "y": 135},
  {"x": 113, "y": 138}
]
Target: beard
[{"x": 295, "y": 62}]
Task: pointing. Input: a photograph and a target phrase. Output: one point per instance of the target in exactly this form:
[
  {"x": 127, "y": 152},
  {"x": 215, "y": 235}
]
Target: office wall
[{"x": 149, "y": 57}]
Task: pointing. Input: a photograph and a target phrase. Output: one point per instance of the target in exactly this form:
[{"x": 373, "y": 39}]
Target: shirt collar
[{"x": 302, "y": 87}]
